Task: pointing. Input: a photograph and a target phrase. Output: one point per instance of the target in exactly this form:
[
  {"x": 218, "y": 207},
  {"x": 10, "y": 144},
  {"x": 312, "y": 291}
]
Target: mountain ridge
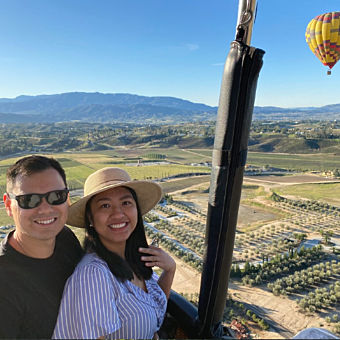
[{"x": 125, "y": 107}]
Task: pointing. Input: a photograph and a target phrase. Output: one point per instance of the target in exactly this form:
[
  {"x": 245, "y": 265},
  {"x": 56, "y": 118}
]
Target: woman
[{"x": 113, "y": 292}]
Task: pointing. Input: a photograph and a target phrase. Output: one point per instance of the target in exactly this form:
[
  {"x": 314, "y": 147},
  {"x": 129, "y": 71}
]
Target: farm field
[
  {"x": 317, "y": 162},
  {"x": 275, "y": 213},
  {"x": 79, "y": 165},
  {"x": 176, "y": 155},
  {"x": 325, "y": 192},
  {"x": 300, "y": 162},
  {"x": 256, "y": 239}
]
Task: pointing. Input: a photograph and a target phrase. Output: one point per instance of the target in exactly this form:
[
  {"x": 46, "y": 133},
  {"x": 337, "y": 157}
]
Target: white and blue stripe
[{"x": 96, "y": 304}]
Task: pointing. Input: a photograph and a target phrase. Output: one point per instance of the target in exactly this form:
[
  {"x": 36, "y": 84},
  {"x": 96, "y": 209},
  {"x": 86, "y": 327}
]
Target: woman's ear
[{"x": 89, "y": 217}]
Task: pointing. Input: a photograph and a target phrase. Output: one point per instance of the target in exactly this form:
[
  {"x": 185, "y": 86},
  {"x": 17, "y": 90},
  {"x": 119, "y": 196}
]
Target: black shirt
[{"x": 31, "y": 289}]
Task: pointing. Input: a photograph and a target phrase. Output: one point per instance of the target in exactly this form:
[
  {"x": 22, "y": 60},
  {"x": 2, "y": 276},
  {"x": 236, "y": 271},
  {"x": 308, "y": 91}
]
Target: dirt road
[{"x": 277, "y": 311}]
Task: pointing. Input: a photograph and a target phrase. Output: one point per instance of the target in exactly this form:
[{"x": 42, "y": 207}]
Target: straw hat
[{"x": 148, "y": 193}]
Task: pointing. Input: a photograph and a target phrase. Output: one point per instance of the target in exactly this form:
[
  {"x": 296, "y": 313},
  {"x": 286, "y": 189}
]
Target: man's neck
[{"x": 28, "y": 246}]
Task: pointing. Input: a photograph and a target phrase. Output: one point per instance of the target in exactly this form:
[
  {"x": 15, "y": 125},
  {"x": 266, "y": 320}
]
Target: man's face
[{"x": 45, "y": 221}]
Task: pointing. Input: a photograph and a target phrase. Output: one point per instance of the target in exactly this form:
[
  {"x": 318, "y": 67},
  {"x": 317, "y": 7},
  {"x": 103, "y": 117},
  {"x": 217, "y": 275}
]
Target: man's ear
[{"x": 7, "y": 202}]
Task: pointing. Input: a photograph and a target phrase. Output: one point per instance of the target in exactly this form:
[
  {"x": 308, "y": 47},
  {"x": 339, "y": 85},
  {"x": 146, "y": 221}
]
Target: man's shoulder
[
  {"x": 67, "y": 235},
  {"x": 67, "y": 241},
  {"x": 66, "y": 232},
  {"x": 4, "y": 246},
  {"x": 7, "y": 258}
]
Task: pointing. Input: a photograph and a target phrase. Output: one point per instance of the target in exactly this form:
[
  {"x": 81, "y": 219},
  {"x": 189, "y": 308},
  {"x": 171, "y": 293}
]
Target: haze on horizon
[{"x": 154, "y": 48}]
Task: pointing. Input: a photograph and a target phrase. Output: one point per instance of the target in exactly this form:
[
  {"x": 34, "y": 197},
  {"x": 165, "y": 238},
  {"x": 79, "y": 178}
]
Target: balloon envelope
[{"x": 323, "y": 37}]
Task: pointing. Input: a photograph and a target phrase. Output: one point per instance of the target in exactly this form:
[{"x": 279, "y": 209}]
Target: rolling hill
[{"x": 124, "y": 107}]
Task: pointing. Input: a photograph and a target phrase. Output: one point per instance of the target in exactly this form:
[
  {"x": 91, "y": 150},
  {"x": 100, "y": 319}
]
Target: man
[{"x": 40, "y": 254}]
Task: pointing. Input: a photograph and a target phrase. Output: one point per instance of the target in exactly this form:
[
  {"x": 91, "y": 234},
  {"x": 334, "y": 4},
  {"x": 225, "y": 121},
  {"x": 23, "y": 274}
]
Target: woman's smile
[{"x": 118, "y": 226}]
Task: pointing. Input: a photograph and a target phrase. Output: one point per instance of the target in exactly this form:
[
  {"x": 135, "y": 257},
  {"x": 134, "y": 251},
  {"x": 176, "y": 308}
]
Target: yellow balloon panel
[{"x": 323, "y": 37}]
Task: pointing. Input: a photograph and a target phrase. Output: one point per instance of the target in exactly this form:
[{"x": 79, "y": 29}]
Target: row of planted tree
[
  {"x": 292, "y": 271},
  {"x": 269, "y": 269},
  {"x": 306, "y": 279},
  {"x": 307, "y": 204},
  {"x": 279, "y": 265}
]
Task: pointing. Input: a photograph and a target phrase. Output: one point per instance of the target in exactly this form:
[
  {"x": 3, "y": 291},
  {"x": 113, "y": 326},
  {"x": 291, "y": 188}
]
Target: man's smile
[{"x": 45, "y": 221}]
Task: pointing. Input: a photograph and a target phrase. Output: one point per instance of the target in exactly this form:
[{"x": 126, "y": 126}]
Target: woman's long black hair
[{"x": 123, "y": 269}]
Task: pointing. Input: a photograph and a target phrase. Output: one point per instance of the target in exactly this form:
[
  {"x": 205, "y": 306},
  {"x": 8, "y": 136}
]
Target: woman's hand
[{"x": 158, "y": 257}]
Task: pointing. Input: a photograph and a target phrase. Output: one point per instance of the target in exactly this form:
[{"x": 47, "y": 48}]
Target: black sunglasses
[{"x": 30, "y": 201}]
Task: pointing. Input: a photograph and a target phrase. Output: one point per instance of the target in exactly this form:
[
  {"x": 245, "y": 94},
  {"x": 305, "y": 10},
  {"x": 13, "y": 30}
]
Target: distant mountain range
[{"x": 129, "y": 108}]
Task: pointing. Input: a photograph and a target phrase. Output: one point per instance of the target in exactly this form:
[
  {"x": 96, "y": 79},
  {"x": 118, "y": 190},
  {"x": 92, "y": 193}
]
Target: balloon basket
[{"x": 329, "y": 72}]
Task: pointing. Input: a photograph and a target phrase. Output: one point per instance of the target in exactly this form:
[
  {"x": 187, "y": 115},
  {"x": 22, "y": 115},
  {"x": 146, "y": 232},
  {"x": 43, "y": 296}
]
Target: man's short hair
[{"x": 29, "y": 165}]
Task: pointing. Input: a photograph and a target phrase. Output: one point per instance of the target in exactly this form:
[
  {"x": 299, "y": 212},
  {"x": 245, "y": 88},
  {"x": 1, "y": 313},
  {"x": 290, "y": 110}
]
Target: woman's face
[{"x": 114, "y": 216}]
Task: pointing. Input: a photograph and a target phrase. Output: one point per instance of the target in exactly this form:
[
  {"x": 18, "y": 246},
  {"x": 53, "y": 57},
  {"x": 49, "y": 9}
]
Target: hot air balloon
[{"x": 323, "y": 38}]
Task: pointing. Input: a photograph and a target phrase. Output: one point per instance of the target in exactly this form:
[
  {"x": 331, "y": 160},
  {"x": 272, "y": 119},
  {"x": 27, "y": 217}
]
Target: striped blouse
[{"x": 95, "y": 303}]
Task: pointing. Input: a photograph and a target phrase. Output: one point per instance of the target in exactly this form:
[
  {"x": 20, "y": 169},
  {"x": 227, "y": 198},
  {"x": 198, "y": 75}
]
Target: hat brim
[{"x": 148, "y": 195}]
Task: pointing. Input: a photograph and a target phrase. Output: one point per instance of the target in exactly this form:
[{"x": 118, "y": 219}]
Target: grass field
[
  {"x": 204, "y": 152},
  {"x": 78, "y": 166},
  {"x": 251, "y": 191},
  {"x": 172, "y": 154},
  {"x": 327, "y": 192},
  {"x": 183, "y": 183},
  {"x": 317, "y": 162}
]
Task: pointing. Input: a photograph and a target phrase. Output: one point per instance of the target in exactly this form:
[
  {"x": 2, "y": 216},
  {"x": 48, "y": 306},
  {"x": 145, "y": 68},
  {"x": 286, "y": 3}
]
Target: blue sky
[{"x": 159, "y": 48}]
